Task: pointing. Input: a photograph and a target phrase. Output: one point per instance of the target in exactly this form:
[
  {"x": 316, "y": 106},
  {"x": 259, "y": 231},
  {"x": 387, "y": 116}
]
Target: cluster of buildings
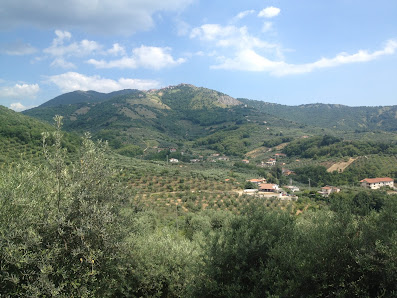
[{"x": 265, "y": 189}]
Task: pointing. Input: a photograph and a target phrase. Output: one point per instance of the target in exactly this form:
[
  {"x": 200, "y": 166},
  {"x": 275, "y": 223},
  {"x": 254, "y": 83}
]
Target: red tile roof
[
  {"x": 267, "y": 186},
  {"x": 377, "y": 180}
]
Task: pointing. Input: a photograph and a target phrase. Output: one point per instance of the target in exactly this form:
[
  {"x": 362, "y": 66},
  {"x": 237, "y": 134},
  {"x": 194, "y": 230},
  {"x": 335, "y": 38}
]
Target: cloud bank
[
  {"x": 19, "y": 91},
  {"x": 249, "y": 60},
  {"x": 101, "y": 16},
  {"x": 72, "y": 81},
  {"x": 144, "y": 56}
]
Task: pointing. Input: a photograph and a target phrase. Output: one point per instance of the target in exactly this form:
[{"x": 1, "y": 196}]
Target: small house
[
  {"x": 376, "y": 183},
  {"x": 267, "y": 187},
  {"x": 327, "y": 190}
]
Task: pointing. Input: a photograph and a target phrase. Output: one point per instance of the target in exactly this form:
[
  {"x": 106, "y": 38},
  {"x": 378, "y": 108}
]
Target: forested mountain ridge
[
  {"x": 334, "y": 116},
  {"x": 165, "y": 116},
  {"x": 185, "y": 113}
]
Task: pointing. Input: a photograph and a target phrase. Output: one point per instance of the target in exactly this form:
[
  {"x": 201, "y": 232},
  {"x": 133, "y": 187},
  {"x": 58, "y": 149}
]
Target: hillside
[
  {"x": 333, "y": 116},
  {"x": 196, "y": 119},
  {"x": 21, "y": 139},
  {"x": 162, "y": 118}
]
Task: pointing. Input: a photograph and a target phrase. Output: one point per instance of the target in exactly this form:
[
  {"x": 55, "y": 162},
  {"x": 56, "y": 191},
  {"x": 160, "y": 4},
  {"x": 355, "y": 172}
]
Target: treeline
[
  {"x": 71, "y": 231},
  {"x": 273, "y": 142},
  {"x": 330, "y": 146}
]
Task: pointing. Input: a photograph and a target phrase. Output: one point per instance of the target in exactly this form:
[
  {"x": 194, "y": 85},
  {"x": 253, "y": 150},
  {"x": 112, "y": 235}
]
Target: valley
[{"x": 152, "y": 190}]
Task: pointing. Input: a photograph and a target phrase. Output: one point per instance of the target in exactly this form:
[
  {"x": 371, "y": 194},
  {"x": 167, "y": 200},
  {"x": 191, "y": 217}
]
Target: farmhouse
[
  {"x": 174, "y": 160},
  {"x": 327, "y": 190},
  {"x": 271, "y": 162},
  {"x": 376, "y": 183},
  {"x": 267, "y": 187}
]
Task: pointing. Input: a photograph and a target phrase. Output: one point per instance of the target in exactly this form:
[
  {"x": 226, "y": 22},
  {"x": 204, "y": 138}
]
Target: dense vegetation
[
  {"x": 86, "y": 220},
  {"x": 78, "y": 230},
  {"x": 333, "y": 116},
  {"x": 320, "y": 146},
  {"x": 21, "y": 137}
]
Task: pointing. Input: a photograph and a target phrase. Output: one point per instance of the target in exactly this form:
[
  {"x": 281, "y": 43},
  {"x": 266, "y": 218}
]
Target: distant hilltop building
[{"x": 376, "y": 183}]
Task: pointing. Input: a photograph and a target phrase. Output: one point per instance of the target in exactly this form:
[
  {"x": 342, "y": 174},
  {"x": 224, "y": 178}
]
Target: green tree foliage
[
  {"x": 130, "y": 150},
  {"x": 319, "y": 254},
  {"x": 69, "y": 230},
  {"x": 335, "y": 147},
  {"x": 60, "y": 234}
]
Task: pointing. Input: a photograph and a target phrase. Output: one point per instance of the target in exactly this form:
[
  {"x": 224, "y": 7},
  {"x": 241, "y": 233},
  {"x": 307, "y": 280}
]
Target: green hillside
[
  {"x": 21, "y": 139},
  {"x": 197, "y": 119},
  {"x": 333, "y": 116},
  {"x": 159, "y": 118}
]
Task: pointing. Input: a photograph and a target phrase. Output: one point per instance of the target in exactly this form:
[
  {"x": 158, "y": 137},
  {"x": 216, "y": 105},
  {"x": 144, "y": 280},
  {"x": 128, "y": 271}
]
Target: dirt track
[{"x": 341, "y": 166}]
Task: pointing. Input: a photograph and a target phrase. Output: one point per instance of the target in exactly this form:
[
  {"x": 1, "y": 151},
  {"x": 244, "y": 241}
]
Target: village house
[
  {"x": 174, "y": 160},
  {"x": 246, "y": 161},
  {"x": 376, "y": 183},
  {"x": 172, "y": 150},
  {"x": 327, "y": 190},
  {"x": 271, "y": 162},
  {"x": 267, "y": 187},
  {"x": 280, "y": 155}
]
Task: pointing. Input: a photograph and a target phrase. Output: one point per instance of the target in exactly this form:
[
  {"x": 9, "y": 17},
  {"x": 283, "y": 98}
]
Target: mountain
[
  {"x": 186, "y": 116},
  {"x": 333, "y": 116},
  {"x": 84, "y": 97},
  {"x": 161, "y": 117}
]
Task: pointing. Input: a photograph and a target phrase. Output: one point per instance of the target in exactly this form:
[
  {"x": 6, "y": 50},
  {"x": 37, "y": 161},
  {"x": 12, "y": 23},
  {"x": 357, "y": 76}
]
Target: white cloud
[
  {"x": 99, "y": 16},
  {"x": 19, "y": 91},
  {"x": 17, "y": 48},
  {"x": 249, "y": 60},
  {"x": 229, "y": 36},
  {"x": 72, "y": 81},
  {"x": 18, "y": 107},
  {"x": 269, "y": 12},
  {"x": 144, "y": 56},
  {"x": 58, "y": 47},
  {"x": 243, "y": 14},
  {"x": 117, "y": 50},
  {"x": 155, "y": 57},
  {"x": 62, "y": 63}
]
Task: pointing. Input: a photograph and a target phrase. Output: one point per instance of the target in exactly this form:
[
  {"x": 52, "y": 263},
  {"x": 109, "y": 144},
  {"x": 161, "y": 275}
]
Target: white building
[{"x": 376, "y": 183}]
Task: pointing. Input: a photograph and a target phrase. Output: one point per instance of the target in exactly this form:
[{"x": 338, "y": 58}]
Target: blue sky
[{"x": 287, "y": 52}]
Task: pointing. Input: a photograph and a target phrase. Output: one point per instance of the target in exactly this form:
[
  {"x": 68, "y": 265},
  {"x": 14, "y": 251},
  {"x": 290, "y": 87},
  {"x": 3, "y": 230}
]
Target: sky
[{"x": 281, "y": 51}]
